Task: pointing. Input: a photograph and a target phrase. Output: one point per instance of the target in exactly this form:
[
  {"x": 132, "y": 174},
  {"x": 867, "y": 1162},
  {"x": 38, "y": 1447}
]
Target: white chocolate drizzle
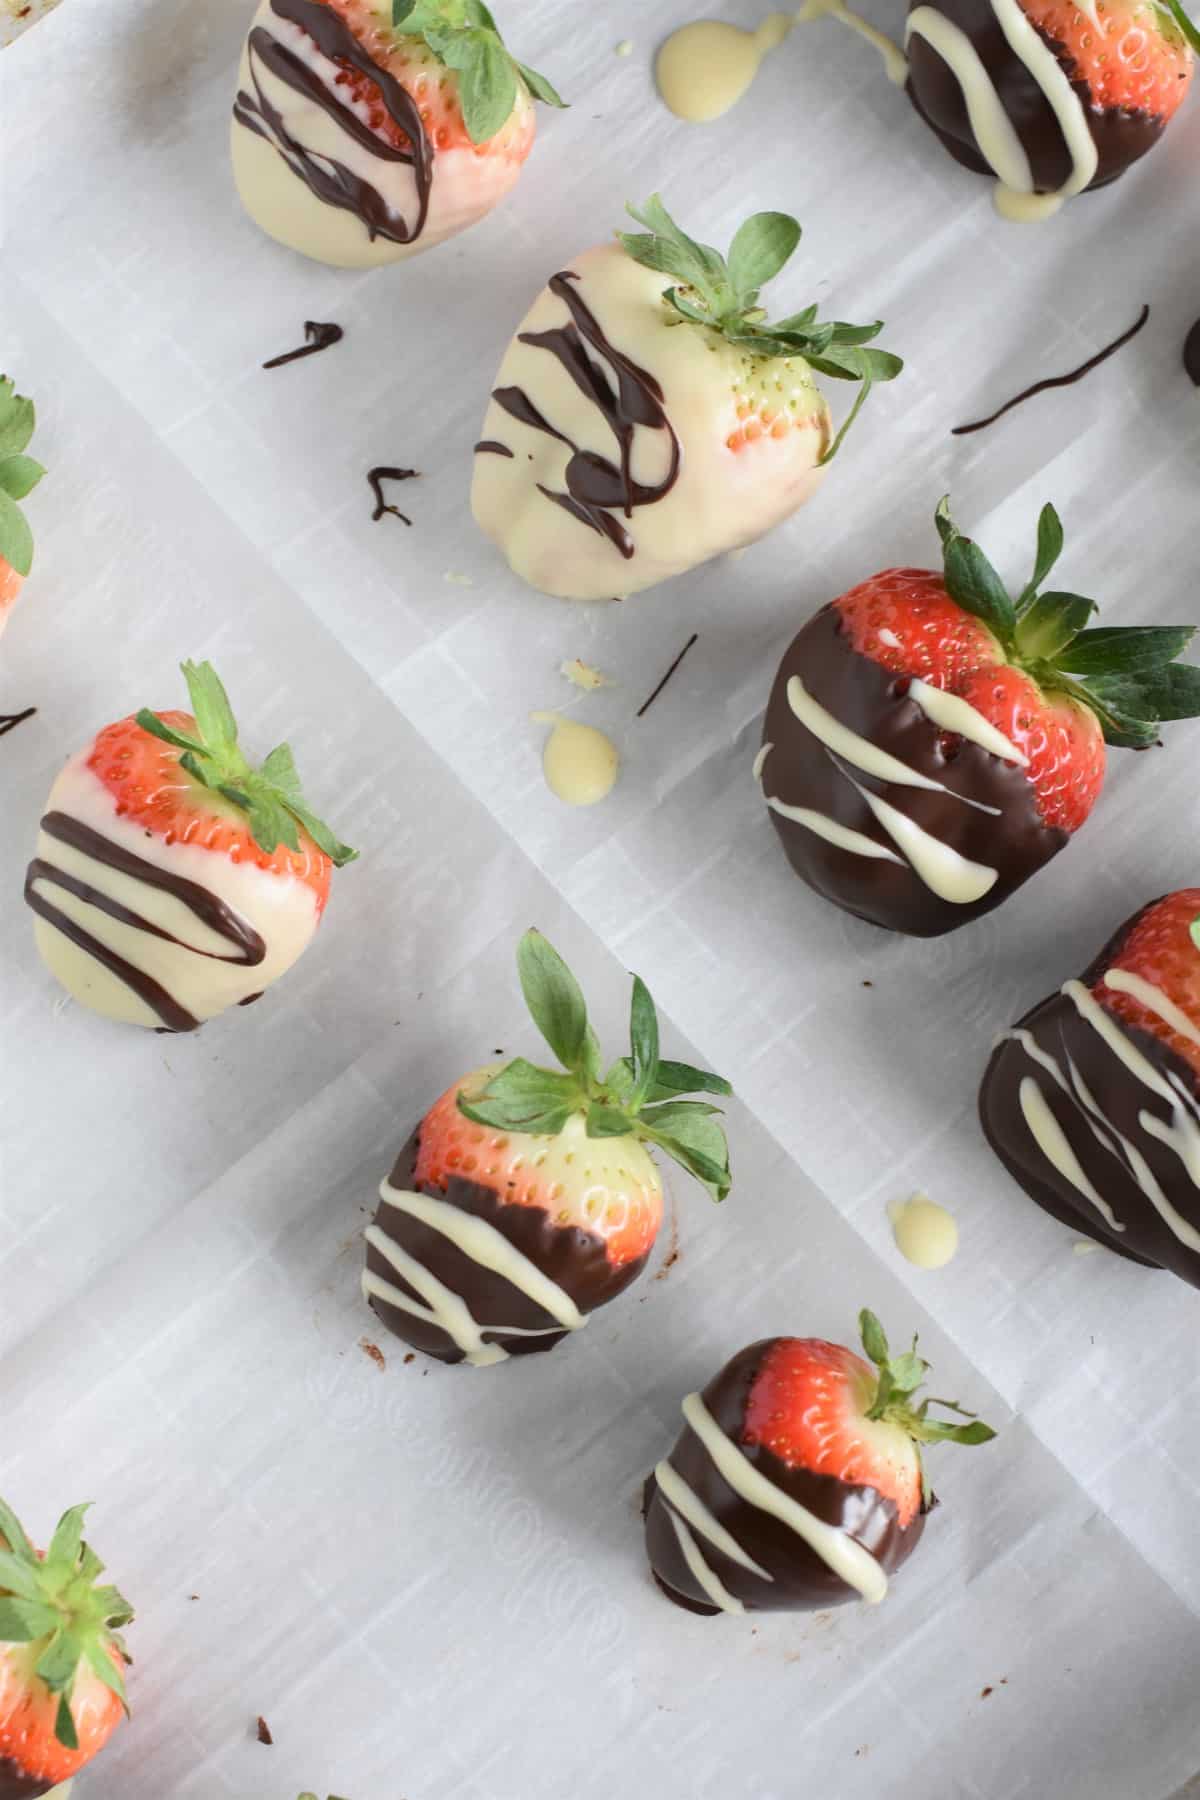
[
  {"x": 483, "y": 1244},
  {"x": 952, "y": 713},
  {"x": 705, "y": 1576},
  {"x": 688, "y": 1504},
  {"x": 951, "y": 877},
  {"x": 993, "y": 129},
  {"x": 847, "y": 1558}
]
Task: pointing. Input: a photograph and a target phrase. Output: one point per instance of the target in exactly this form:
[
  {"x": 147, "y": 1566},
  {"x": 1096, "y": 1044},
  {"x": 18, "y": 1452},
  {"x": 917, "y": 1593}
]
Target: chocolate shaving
[
  {"x": 319, "y": 337},
  {"x": 1057, "y": 381},
  {"x": 10, "y": 721},
  {"x": 264, "y": 1732},
  {"x": 647, "y": 704},
  {"x": 376, "y": 479}
]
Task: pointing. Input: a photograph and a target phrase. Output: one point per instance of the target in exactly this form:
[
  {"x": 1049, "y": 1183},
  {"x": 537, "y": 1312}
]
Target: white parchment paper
[{"x": 431, "y": 1582}]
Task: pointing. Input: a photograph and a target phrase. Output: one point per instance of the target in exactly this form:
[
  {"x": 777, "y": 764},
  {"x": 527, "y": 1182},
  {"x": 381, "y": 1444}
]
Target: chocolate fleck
[
  {"x": 647, "y": 704},
  {"x": 264, "y": 1731},
  {"x": 319, "y": 337},
  {"x": 376, "y": 478},
  {"x": 10, "y": 721}
]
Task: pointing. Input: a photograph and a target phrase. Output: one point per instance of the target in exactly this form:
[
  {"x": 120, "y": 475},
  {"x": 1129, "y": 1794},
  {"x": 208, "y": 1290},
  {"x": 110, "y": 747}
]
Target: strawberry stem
[{"x": 899, "y": 1379}]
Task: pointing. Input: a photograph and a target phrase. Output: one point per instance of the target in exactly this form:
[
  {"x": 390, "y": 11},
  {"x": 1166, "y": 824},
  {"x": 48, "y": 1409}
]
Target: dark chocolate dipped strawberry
[
  {"x": 1092, "y": 1100},
  {"x": 1050, "y": 97},
  {"x": 930, "y": 743},
  {"x": 797, "y": 1481},
  {"x": 527, "y": 1197}
]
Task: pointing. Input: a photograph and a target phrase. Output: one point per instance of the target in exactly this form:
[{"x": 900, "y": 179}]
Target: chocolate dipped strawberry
[
  {"x": 1050, "y": 97},
  {"x": 368, "y": 130},
  {"x": 647, "y": 416},
  {"x": 527, "y": 1197},
  {"x": 19, "y": 475},
  {"x": 62, "y": 1657},
  {"x": 173, "y": 879},
  {"x": 930, "y": 743},
  {"x": 797, "y": 1481},
  {"x": 1092, "y": 1100}
]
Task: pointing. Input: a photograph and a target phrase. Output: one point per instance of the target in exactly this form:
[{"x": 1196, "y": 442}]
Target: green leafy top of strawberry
[
  {"x": 895, "y": 1396},
  {"x": 19, "y": 474},
  {"x": 1186, "y": 26},
  {"x": 1126, "y": 675},
  {"x": 721, "y": 293},
  {"x": 464, "y": 37},
  {"x": 270, "y": 796},
  {"x": 640, "y": 1095},
  {"x": 53, "y": 1602}
]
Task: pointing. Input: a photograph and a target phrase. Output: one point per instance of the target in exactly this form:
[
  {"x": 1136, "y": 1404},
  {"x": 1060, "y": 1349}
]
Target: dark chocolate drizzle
[
  {"x": 802, "y": 1581},
  {"x": 1058, "y": 381},
  {"x": 1058, "y": 1029},
  {"x": 597, "y": 489},
  {"x": 319, "y": 336},
  {"x": 874, "y": 702},
  {"x": 576, "y": 1259},
  {"x": 649, "y": 702},
  {"x": 10, "y": 721},
  {"x": 1191, "y": 353},
  {"x": 491, "y": 447},
  {"x": 329, "y": 179},
  {"x": 376, "y": 479},
  {"x": 207, "y": 907},
  {"x": 1121, "y": 136}
]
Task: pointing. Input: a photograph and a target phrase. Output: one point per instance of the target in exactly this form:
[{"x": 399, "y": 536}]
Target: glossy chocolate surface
[
  {"x": 802, "y": 1581},
  {"x": 1120, "y": 136},
  {"x": 16, "y": 1786},
  {"x": 872, "y": 701},
  {"x": 1122, "y": 1101},
  {"x": 1191, "y": 353},
  {"x": 576, "y": 1260}
]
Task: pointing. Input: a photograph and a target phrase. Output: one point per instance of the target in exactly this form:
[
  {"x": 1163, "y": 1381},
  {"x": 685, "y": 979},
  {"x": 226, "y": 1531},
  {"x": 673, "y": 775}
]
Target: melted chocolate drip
[
  {"x": 1058, "y": 381},
  {"x": 376, "y": 479},
  {"x": 10, "y": 721},
  {"x": 319, "y": 336},
  {"x": 873, "y": 702},
  {"x": 327, "y": 178},
  {"x": 596, "y": 488},
  {"x": 207, "y": 907},
  {"x": 802, "y": 1580},
  {"x": 577, "y": 1260},
  {"x": 1191, "y": 353},
  {"x": 491, "y": 447},
  {"x": 1121, "y": 135},
  {"x": 1058, "y": 1029}
]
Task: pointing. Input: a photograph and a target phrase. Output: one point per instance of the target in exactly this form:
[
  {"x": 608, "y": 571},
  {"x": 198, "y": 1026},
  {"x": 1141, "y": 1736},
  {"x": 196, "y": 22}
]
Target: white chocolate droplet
[
  {"x": 580, "y": 764},
  {"x": 703, "y": 69},
  {"x": 925, "y": 1233}
]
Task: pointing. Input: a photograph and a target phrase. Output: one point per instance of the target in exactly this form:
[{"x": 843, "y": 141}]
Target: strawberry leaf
[
  {"x": 761, "y": 246},
  {"x": 971, "y": 580},
  {"x": 158, "y": 728},
  {"x": 606, "y": 1121},
  {"x": 17, "y": 419},
  {"x": 1125, "y": 649},
  {"x": 16, "y": 538},
  {"x": 539, "y": 87},
  {"x": 1049, "y": 549},
  {"x": 1194, "y": 932},
  {"x": 19, "y": 475},
  {"x": 18, "y": 1576},
  {"x": 1190, "y": 33},
  {"x": 66, "y": 1544},
  {"x": 1050, "y": 623},
  {"x": 554, "y": 999},
  {"x": 696, "y": 1142},
  {"x": 24, "y": 1621},
  {"x": 680, "y": 1078},
  {"x": 103, "y": 1666},
  {"x": 64, "y": 1724},
  {"x": 643, "y": 1038},
  {"x": 464, "y": 36},
  {"x": 941, "y": 1430},
  {"x": 12, "y": 1532},
  {"x": 213, "y": 713},
  {"x": 874, "y": 1339}
]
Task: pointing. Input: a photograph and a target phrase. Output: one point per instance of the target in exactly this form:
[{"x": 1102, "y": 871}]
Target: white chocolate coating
[
  {"x": 722, "y": 499},
  {"x": 465, "y": 186},
  {"x": 281, "y": 908},
  {"x": 926, "y": 1234}
]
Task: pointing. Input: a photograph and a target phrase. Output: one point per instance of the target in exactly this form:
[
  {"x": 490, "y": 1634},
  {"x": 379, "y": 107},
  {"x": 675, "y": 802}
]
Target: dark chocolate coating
[
  {"x": 802, "y": 1581},
  {"x": 577, "y": 1260},
  {"x": 16, "y": 1786},
  {"x": 1191, "y": 353},
  {"x": 1058, "y": 1029},
  {"x": 872, "y": 701},
  {"x": 1121, "y": 135}
]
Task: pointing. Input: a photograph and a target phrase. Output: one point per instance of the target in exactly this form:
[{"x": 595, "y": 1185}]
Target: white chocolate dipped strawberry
[
  {"x": 365, "y": 131},
  {"x": 647, "y": 416},
  {"x": 172, "y": 879}
]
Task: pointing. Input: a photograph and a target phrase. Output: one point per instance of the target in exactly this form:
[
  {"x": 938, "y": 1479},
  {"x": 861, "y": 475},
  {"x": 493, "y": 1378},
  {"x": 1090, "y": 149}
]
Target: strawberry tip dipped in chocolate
[
  {"x": 1092, "y": 1100},
  {"x": 365, "y": 131},
  {"x": 172, "y": 878},
  {"x": 930, "y": 742},
  {"x": 648, "y": 415},
  {"x": 1049, "y": 97},
  {"x": 798, "y": 1480},
  {"x": 527, "y": 1197},
  {"x": 19, "y": 475},
  {"x": 62, "y": 1657}
]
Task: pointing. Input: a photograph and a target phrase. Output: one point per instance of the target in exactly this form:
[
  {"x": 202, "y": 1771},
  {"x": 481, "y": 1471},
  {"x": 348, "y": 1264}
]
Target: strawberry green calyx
[
  {"x": 270, "y": 796},
  {"x": 722, "y": 293},
  {"x": 464, "y": 37},
  {"x": 640, "y": 1095},
  {"x": 895, "y": 1396},
  {"x": 1126, "y": 675},
  {"x": 1187, "y": 28},
  {"x": 53, "y": 1604},
  {"x": 19, "y": 475}
]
